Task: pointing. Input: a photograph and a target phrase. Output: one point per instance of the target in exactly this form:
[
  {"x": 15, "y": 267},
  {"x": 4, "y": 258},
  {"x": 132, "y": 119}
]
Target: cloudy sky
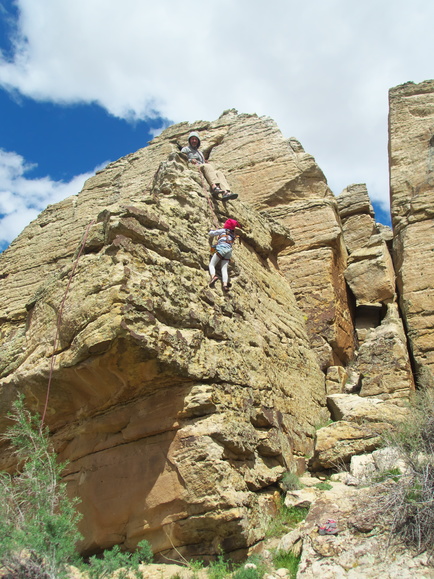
[{"x": 84, "y": 82}]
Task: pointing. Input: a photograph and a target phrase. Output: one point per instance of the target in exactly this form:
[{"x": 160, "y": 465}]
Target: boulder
[
  {"x": 337, "y": 443},
  {"x": 354, "y": 408},
  {"x": 370, "y": 273},
  {"x": 383, "y": 361}
]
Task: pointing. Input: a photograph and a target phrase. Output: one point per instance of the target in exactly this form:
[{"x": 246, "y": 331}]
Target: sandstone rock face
[
  {"x": 290, "y": 187},
  {"x": 370, "y": 272},
  {"x": 411, "y": 159},
  {"x": 337, "y": 443},
  {"x": 315, "y": 267},
  {"x": 383, "y": 361},
  {"x": 178, "y": 407}
]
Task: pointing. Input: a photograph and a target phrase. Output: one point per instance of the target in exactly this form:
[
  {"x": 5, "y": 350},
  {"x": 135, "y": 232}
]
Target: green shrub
[
  {"x": 290, "y": 482},
  {"x": 219, "y": 569},
  {"x": 114, "y": 559},
  {"x": 247, "y": 574},
  {"x": 324, "y": 486},
  {"x": 287, "y": 560},
  {"x": 407, "y": 500},
  {"x": 390, "y": 473},
  {"x": 251, "y": 573},
  {"x": 285, "y": 519},
  {"x": 38, "y": 523}
]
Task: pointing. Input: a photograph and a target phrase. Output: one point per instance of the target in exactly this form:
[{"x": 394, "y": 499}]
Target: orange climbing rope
[{"x": 59, "y": 320}]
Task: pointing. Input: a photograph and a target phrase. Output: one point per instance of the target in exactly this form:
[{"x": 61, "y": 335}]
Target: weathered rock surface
[
  {"x": 411, "y": 160},
  {"x": 383, "y": 361},
  {"x": 370, "y": 273},
  {"x": 315, "y": 267},
  {"x": 290, "y": 187},
  {"x": 360, "y": 549},
  {"x": 353, "y": 408},
  {"x": 336, "y": 443},
  {"x": 178, "y": 407}
]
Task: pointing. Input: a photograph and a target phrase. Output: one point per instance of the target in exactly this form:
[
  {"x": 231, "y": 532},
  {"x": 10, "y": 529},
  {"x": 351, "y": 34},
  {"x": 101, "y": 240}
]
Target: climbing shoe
[
  {"x": 228, "y": 195},
  {"x": 330, "y": 528}
]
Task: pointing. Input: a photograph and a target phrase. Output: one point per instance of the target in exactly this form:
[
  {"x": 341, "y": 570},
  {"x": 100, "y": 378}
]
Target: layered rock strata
[
  {"x": 411, "y": 161},
  {"x": 178, "y": 407}
]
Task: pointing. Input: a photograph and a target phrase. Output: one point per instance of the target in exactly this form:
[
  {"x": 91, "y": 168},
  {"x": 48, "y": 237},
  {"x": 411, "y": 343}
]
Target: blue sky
[{"x": 84, "y": 83}]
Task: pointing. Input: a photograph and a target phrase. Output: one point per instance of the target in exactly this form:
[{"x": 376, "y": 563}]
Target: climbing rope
[{"x": 59, "y": 320}]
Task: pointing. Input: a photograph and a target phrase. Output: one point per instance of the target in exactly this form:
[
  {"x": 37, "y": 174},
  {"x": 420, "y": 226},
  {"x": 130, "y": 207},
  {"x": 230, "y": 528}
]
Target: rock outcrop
[
  {"x": 179, "y": 407},
  {"x": 176, "y": 406},
  {"x": 411, "y": 152}
]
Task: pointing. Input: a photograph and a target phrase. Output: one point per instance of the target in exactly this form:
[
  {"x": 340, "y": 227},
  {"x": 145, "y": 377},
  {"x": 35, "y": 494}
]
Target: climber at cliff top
[
  {"x": 223, "y": 251},
  {"x": 217, "y": 181}
]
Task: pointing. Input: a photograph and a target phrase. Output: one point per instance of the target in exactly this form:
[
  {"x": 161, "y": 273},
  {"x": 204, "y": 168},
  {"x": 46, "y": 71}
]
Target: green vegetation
[
  {"x": 286, "y": 560},
  {"x": 38, "y": 523},
  {"x": 324, "y": 486},
  {"x": 220, "y": 568},
  {"x": 257, "y": 570},
  {"x": 323, "y": 424},
  {"x": 285, "y": 520},
  {"x": 113, "y": 559},
  {"x": 290, "y": 482},
  {"x": 390, "y": 473},
  {"x": 406, "y": 499}
]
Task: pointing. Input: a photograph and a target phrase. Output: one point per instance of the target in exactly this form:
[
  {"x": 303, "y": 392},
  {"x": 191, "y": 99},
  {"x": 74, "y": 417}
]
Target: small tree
[{"x": 38, "y": 522}]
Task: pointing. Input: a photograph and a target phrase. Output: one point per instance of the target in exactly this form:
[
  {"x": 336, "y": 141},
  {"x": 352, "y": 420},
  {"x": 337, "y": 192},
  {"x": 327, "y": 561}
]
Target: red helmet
[{"x": 231, "y": 224}]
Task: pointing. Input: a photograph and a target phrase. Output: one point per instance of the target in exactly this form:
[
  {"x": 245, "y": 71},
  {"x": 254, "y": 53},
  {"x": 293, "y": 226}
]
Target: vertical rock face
[
  {"x": 411, "y": 152},
  {"x": 381, "y": 366},
  {"x": 288, "y": 186},
  {"x": 178, "y": 407}
]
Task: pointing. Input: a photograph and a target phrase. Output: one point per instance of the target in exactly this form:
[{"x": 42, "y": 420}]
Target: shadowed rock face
[
  {"x": 411, "y": 159},
  {"x": 177, "y": 407}
]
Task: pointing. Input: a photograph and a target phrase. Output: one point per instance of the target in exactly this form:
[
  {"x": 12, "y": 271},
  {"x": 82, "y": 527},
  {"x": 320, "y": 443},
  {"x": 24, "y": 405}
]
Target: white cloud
[
  {"x": 22, "y": 198},
  {"x": 321, "y": 69}
]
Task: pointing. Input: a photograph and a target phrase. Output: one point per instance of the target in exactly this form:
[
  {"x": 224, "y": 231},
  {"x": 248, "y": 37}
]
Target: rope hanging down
[{"x": 59, "y": 320}]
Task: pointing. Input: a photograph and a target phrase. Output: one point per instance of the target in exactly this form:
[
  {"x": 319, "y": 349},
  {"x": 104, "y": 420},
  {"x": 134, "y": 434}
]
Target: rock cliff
[
  {"x": 411, "y": 152},
  {"x": 179, "y": 407}
]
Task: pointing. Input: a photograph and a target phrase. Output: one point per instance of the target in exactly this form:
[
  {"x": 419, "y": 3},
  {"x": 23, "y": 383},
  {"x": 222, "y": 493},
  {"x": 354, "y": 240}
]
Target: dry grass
[{"x": 406, "y": 502}]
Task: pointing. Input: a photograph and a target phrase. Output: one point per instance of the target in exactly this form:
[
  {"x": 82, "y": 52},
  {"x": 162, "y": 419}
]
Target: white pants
[{"x": 224, "y": 267}]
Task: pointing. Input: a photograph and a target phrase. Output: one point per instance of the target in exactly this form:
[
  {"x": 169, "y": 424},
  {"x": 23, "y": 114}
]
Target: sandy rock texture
[
  {"x": 411, "y": 161},
  {"x": 178, "y": 407},
  {"x": 360, "y": 549}
]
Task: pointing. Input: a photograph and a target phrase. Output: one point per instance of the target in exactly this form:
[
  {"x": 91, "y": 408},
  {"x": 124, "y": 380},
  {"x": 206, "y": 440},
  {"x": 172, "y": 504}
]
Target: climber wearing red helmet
[{"x": 223, "y": 251}]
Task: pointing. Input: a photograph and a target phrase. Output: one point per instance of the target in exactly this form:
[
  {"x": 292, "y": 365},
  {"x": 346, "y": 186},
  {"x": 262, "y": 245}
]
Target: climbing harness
[{"x": 59, "y": 320}]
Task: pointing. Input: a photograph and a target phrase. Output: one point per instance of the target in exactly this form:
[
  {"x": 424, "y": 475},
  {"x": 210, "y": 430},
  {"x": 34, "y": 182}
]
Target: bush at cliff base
[
  {"x": 38, "y": 522},
  {"x": 408, "y": 503}
]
